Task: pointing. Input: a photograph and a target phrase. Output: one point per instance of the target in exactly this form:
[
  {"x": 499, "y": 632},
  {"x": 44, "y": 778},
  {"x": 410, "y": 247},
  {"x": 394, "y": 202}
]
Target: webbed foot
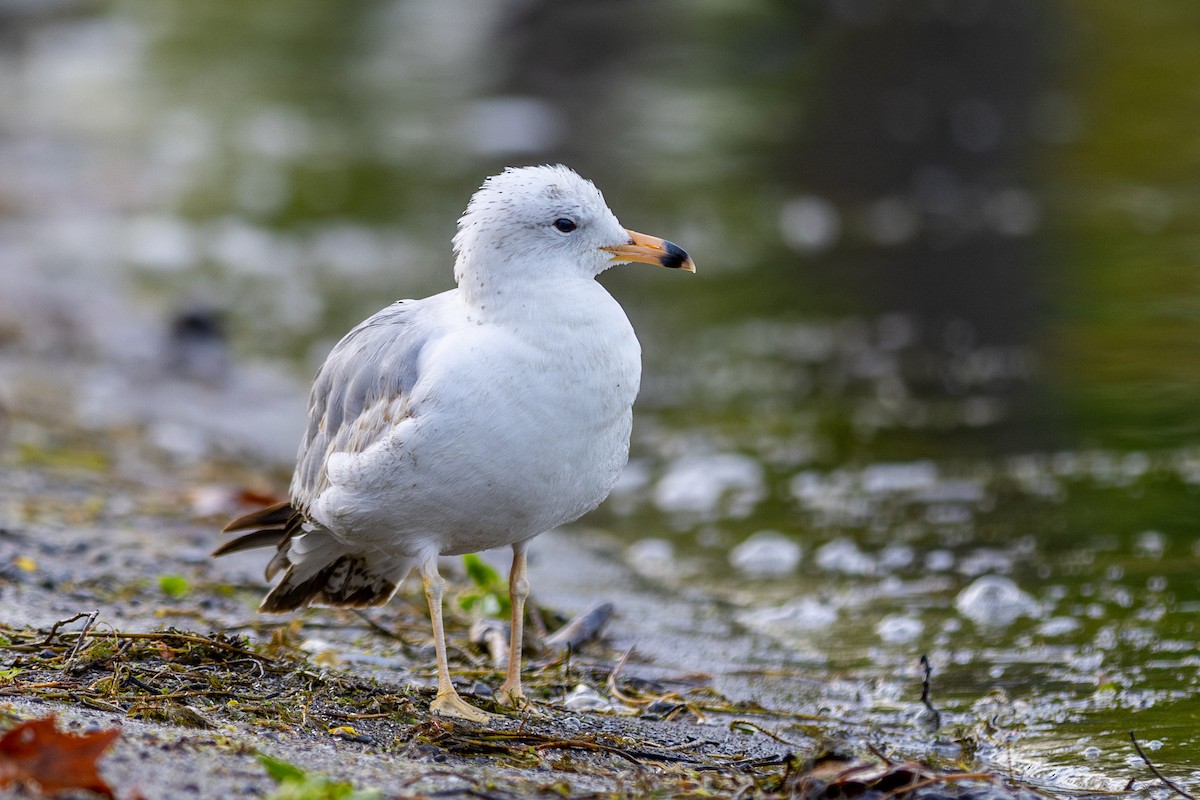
[{"x": 452, "y": 705}]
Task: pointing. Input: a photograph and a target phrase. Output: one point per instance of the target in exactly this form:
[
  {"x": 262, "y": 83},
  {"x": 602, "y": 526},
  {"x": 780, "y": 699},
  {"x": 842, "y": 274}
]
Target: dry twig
[{"x": 1166, "y": 781}]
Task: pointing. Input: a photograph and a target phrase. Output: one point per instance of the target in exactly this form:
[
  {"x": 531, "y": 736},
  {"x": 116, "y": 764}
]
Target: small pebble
[{"x": 585, "y": 698}]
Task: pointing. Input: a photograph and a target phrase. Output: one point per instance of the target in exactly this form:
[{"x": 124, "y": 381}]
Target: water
[{"x": 933, "y": 390}]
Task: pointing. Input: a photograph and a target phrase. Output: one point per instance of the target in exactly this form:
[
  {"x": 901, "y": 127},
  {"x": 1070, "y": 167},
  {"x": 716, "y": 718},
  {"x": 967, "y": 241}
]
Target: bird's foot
[
  {"x": 452, "y": 705},
  {"x": 513, "y": 697}
]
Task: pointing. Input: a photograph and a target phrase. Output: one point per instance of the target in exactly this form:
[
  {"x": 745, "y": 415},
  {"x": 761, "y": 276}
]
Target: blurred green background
[{"x": 1015, "y": 177}]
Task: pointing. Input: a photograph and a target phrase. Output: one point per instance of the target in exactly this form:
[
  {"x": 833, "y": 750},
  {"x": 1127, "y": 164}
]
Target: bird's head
[{"x": 548, "y": 219}]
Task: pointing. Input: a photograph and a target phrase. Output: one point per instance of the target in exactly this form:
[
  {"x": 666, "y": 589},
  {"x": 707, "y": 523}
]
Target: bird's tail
[{"x": 317, "y": 568}]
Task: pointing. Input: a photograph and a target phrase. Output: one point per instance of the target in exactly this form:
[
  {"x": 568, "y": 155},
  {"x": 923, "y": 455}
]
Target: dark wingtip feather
[
  {"x": 271, "y": 516},
  {"x": 278, "y": 562},
  {"x": 263, "y": 538}
]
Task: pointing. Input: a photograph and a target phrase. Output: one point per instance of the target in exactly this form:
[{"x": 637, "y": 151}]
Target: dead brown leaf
[{"x": 36, "y": 752}]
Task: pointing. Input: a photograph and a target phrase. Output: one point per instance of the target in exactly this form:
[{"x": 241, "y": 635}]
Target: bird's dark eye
[{"x": 564, "y": 225}]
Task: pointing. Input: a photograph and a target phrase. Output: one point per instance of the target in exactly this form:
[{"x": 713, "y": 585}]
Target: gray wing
[{"x": 367, "y": 376}]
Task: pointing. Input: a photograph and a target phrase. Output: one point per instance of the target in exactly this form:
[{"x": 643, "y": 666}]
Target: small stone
[{"x": 585, "y": 698}]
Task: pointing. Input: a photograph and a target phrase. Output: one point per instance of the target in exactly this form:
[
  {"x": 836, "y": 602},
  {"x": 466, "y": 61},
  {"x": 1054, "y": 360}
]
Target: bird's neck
[
  {"x": 538, "y": 307},
  {"x": 518, "y": 289}
]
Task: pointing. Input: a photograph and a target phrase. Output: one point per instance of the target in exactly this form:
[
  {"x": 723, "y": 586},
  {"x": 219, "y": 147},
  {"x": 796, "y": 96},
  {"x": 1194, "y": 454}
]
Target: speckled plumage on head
[
  {"x": 472, "y": 419},
  {"x": 504, "y": 232}
]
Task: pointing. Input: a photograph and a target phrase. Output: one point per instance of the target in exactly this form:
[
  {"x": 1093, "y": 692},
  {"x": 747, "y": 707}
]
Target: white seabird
[{"x": 472, "y": 419}]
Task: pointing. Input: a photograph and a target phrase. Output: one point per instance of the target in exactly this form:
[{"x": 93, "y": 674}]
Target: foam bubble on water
[
  {"x": 899, "y": 628},
  {"x": 904, "y": 477},
  {"x": 1133, "y": 466},
  {"x": 842, "y": 555},
  {"x": 801, "y": 614},
  {"x": 1187, "y": 465},
  {"x": 985, "y": 560},
  {"x": 766, "y": 553},
  {"x": 706, "y": 485},
  {"x": 834, "y": 497},
  {"x": 939, "y": 560},
  {"x": 895, "y": 557},
  {"x": 948, "y": 515},
  {"x": 1058, "y": 626},
  {"x": 1087, "y": 663},
  {"x": 651, "y": 557},
  {"x": 1150, "y": 544},
  {"x": 994, "y": 601}
]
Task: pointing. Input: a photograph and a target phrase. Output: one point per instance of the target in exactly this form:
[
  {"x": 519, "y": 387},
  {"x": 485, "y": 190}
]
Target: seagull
[{"x": 469, "y": 420}]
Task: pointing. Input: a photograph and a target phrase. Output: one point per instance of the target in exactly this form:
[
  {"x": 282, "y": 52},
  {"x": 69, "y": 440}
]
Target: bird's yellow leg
[
  {"x": 510, "y": 693},
  {"x": 448, "y": 703}
]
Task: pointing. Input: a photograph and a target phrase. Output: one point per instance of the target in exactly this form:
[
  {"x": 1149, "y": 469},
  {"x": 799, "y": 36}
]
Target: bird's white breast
[{"x": 520, "y": 423}]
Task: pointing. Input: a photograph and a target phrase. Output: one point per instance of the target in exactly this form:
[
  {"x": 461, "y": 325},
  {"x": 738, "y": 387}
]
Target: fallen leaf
[
  {"x": 295, "y": 784},
  {"x": 37, "y": 752}
]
